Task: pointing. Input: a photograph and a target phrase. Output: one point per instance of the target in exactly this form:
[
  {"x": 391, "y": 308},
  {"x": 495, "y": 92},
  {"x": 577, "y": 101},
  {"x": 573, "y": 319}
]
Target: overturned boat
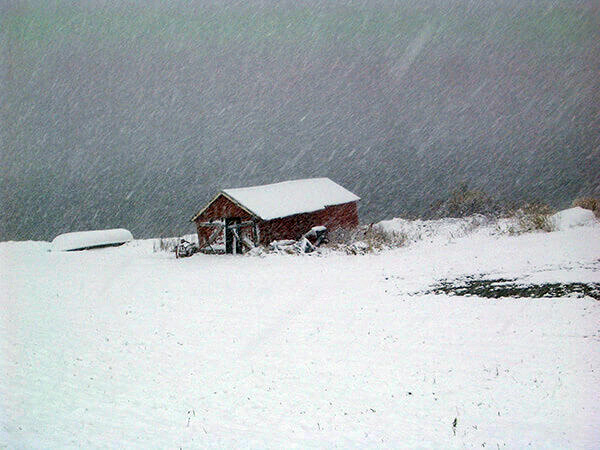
[{"x": 85, "y": 240}]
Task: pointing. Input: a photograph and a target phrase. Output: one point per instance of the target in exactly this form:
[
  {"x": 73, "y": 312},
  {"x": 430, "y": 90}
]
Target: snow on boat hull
[{"x": 85, "y": 240}]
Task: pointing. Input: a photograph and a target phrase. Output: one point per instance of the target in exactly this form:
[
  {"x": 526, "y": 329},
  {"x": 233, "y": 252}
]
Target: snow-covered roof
[
  {"x": 284, "y": 199},
  {"x": 80, "y": 240}
]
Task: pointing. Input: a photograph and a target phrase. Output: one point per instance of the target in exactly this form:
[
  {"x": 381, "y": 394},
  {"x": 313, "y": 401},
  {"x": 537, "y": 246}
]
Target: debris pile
[
  {"x": 185, "y": 248},
  {"x": 308, "y": 243}
]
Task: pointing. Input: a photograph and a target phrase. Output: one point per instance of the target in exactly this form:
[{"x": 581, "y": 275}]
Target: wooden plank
[
  {"x": 216, "y": 223},
  {"x": 212, "y": 238},
  {"x": 248, "y": 243},
  {"x": 237, "y": 241}
]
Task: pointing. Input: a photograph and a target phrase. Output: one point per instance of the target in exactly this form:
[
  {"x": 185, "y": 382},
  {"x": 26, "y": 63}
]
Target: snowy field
[{"x": 124, "y": 347}]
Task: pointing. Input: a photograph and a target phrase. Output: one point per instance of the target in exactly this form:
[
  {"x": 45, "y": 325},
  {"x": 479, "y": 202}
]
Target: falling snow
[{"x": 133, "y": 115}]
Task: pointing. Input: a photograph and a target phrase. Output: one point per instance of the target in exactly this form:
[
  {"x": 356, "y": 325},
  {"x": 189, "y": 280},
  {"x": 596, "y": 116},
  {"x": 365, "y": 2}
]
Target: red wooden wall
[{"x": 293, "y": 227}]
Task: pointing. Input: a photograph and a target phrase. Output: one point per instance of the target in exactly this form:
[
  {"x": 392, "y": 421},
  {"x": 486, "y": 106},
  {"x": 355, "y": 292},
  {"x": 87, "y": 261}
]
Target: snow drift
[
  {"x": 83, "y": 240},
  {"x": 571, "y": 218}
]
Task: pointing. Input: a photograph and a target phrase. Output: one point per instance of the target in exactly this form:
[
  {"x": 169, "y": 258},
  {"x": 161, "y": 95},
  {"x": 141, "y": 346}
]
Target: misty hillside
[{"x": 133, "y": 116}]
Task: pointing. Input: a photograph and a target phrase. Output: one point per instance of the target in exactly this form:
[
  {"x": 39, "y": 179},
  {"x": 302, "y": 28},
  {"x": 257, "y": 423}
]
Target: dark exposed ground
[
  {"x": 134, "y": 115},
  {"x": 501, "y": 287}
]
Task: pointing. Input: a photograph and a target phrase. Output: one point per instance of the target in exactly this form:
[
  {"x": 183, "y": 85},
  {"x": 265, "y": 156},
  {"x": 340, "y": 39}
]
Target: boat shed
[{"x": 242, "y": 218}]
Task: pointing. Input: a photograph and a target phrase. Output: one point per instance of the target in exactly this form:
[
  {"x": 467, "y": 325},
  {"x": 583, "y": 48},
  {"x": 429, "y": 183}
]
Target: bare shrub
[
  {"x": 344, "y": 236},
  {"x": 164, "y": 244},
  {"x": 366, "y": 239},
  {"x": 464, "y": 201},
  {"x": 379, "y": 239},
  {"x": 591, "y": 203},
  {"x": 532, "y": 217}
]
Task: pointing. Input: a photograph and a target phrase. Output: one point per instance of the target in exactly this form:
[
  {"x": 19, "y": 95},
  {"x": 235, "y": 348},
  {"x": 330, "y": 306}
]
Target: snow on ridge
[
  {"x": 87, "y": 239},
  {"x": 447, "y": 229},
  {"x": 272, "y": 201}
]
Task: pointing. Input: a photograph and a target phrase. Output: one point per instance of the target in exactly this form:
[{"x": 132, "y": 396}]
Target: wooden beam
[
  {"x": 235, "y": 226},
  {"x": 221, "y": 223},
  {"x": 256, "y": 234}
]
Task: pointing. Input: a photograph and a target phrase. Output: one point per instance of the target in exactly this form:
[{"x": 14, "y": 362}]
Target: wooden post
[{"x": 256, "y": 234}]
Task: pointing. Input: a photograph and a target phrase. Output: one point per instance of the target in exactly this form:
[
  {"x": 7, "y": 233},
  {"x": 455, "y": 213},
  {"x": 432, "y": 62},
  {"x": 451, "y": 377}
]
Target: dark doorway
[{"x": 233, "y": 244}]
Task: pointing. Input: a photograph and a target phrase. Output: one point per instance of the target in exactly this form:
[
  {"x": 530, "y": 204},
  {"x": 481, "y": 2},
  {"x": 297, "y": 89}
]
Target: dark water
[{"x": 135, "y": 115}]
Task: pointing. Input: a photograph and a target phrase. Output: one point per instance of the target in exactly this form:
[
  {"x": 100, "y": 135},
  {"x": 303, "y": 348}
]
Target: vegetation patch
[
  {"x": 529, "y": 217},
  {"x": 365, "y": 239},
  {"x": 502, "y": 287},
  {"x": 464, "y": 201},
  {"x": 591, "y": 203},
  {"x": 165, "y": 244}
]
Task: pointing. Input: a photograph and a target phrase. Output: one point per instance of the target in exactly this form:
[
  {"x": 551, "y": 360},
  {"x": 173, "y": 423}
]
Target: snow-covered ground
[{"x": 124, "y": 347}]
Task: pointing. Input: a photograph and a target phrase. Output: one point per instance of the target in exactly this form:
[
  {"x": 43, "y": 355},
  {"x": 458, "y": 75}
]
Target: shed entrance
[{"x": 233, "y": 243}]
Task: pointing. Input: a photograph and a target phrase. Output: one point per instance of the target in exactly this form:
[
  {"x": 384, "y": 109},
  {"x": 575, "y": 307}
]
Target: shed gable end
[{"x": 221, "y": 207}]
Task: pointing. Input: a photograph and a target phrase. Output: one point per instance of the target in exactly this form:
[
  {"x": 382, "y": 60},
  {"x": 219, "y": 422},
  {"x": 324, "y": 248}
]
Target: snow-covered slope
[{"x": 124, "y": 347}]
